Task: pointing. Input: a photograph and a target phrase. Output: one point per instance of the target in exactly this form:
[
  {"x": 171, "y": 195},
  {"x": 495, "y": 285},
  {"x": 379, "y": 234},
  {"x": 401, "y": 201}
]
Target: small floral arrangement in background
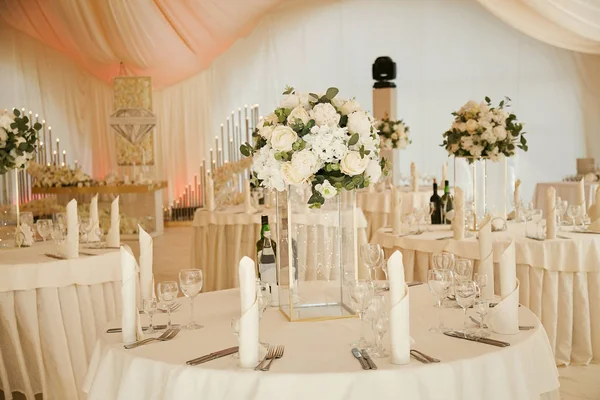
[
  {"x": 47, "y": 176},
  {"x": 482, "y": 131},
  {"x": 18, "y": 140},
  {"x": 316, "y": 139},
  {"x": 393, "y": 134}
]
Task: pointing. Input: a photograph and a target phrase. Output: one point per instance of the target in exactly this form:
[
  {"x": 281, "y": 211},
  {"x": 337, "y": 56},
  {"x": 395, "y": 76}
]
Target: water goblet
[
  {"x": 384, "y": 268},
  {"x": 235, "y": 328},
  {"x": 463, "y": 269},
  {"x": 26, "y": 218},
  {"x": 375, "y": 308},
  {"x": 481, "y": 307},
  {"x": 572, "y": 213},
  {"x": 167, "y": 293},
  {"x": 263, "y": 294},
  {"x": 430, "y": 212},
  {"x": 380, "y": 326},
  {"x": 85, "y": 227},
  {"x": 190, "y": 281},
  {"x": 444, "y": 260},
  {"x": 60, "y": 219},
  {"x": 481, "y": 281},
  {"x": 465, "y": 292},
  {"x": 149, "y": 306},
  {"x": 361, "y": 292},
  {"x": 439, "y": 282},
  {"x": 372, "y": 256},
  {"x": 44, "y": 228}
]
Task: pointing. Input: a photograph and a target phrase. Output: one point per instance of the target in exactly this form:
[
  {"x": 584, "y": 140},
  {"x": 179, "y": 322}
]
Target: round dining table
[
  {"x": 317, "y": 362},
  {"x": 51, "y": 311},
  {"x": 559, "y": 278}
]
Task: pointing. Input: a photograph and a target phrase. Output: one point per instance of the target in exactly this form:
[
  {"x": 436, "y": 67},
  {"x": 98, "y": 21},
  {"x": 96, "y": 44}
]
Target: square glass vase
[{"x": 317, "y": 255}]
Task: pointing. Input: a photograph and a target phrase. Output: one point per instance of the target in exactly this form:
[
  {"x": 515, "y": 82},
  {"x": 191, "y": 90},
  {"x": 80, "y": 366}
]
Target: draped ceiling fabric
[{"x": 207, "y": 57}]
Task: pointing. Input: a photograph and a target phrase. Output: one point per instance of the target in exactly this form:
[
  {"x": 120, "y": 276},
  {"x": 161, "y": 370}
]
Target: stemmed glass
[
  {"x": 481, "y": 307},
  {"x": 465, "y": 292},
  {"x": 430, "y": 213},
  {"x": 384, "y": 268},
  {"x": 26, "y": 218},
  {"x": 439, "y": 281},
  {"x": 44, "y": 228},
  {"x": 443, "y": 261},
  {"x": 372, "y": 256},
  {"x": 463, "y": 269},
  {"x": 150, "y": 305},
  {"x": 235, "y": 328},
  {"x": 481, "y": 281},
  {"x": 380, "y": 326},
  {"x": 573, "y": 212},
  {"x": 263, "y": 293},
  {"x": 190, "y": 281},
  {"x": 167, "y": 293},
  {"x": 361, "y": 292},
  {"x": 85, "y": 227},
  {"x": 376, "y": 306}
]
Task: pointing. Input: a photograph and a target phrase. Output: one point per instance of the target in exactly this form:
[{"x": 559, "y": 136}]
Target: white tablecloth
[
  {"x": 317, "y": 363},
  {"x": 222, "y": 238},
  {"x": 378, "y": 206},
  {"x": 50, "y": 314},
  {"x": 565, "y": 190},
  {"x": 560, "y": 280}
]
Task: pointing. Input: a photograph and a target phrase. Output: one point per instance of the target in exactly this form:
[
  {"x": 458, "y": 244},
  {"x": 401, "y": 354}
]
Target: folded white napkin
[
  {"x": 581, "y": 193},
  {"x": 508, "y": 269},
  {"x": 444, "y": 172},
  {"x": 399, "y": 311},
  {"x": 93, "y": 236},
  {"x": 458, "y": 219},
  {"x": 414, "y": 178},
  {"x": 486, "y": 257},
  {"x": 396, "y": 211},
  {"x": 131, "y": 327},
  {"x": 248, "y": 336},
  {"x": 113, "y": 239},
  {"x": 504, "y": 318},
  {"x": 70, "y": 247},
  {"x": 146, "y": 276},
  {"x": 209, "y": 194},
  {"x": 248, "y": 207},
  {"x": 551, "y": 213}
]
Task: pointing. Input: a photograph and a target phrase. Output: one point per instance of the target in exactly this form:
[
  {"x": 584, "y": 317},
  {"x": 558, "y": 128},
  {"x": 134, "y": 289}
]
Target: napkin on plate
[
  {"x": 486, "y": 257},
  {"x": 248, "y": 336},
  {"x": 146, "y": 276},
  {"x": 210, "y": 194},
  {"x": 113, "y": 239},
  {"x": 399, "y": 311},
  {"x": 458, "y": 220},
  {"x": 248, "y": 207},
  {"x": 70, "y": 247},
  {"x": 505, "y": 316},
  {"x": 131, "y": 327},
  {"x": 414, "y": 178},
  {"x": 93, "y": 236},
  {"x": 551, "y": 213},
  {"x": 396, "y": 211}
]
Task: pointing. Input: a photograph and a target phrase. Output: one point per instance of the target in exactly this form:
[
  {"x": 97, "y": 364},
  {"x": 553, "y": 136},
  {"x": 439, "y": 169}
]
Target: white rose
[
  {"x": 472, "y": 125},
  {"x": 386, "y": 128},
  {"x": 290, "y": 175},
  {"x": 358, "y": 122},
  {"x": 282, "y": 138},
  {"x": 373, "y": 171},
  {"x": 3, "y": 135},
  {"x": 270, "y": 119},
  {"x": 483, "y": 107},
  {"x": 290, "y": 101},
  {"x": 298, "y": 113},
  {"x": 466, "y": 142},
  {"x": 476, "y": 151},
  {"x": 462, "y": 127},
  {"x": 489, "y": 136},
  {"x": 326, "y": 189},
  {"x": 325, "y": 114},
  {"x": 305, "y": 163},
  {"x": 349, "y": 107},
  {"x": 5, "y": 121},
  {"x": 500, "y": 132},
  {"x": 21, "y": 161},
  {"x": 394, "y": 136},
  {"x": 352, "y": 164},
  {"x": 266, "y": 131}
]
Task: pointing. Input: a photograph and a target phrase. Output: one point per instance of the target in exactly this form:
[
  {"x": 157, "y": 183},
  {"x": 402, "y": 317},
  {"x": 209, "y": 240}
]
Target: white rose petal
[
  {"x": 326, "y": 189},
  {"x": 298, "y": 113},
  {"x": 352, "y": 164},
  {"x": 266, "y": 131},
  {"x": 290, "y": 175},
  {"x": 373, "y": 171},
  {"x": 349, "y": 107},
  {"x": 500, "y": 132},
  {"x": 290, "y": 101},
  {"x": 282, "y": 138},
  {"x": 325, "y": 114},
  {"x": 462, "y": 127},
  {"x": 270, "y": 119},
  {"x": 472, "y": 125},
  {"x": 359, "y": 122},
  {"x": 305, "y": 163},
  {"x": 3, "y": 135}
]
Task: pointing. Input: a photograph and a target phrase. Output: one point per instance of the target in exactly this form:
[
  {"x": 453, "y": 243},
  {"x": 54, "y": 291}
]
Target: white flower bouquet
[
  {"x": 393, "y": 134},
  {"x": 18, "y": 140},
  {"x": 482, "y": 131},
  {"x": 320, "y": 140},
  {"x": 53, "y": 176}
]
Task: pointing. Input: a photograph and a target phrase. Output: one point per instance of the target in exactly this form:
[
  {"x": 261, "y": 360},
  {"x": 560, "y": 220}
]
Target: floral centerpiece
[
  {"x": 393, "y": 134},
  {"x": 316, "y": 139},
  {"x": 47, "y": 176},
  {"x": 482, "y": 131},
  {"x": 18, "y": 140}
]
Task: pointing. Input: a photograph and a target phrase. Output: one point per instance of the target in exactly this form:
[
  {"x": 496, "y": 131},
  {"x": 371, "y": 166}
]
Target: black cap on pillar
[{"x": 384, "y": 71}]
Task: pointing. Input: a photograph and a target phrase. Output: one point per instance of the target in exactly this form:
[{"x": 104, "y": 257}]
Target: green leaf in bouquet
[
  {"x": 14, "y": 125},
  {"x": 37, "y": 126},
  {"x": 331, "y": 93},
  {"x": 523, "y": 140},
  {"x": 335, "y": 167},
  {"x": 313, "y": 97},
  {"x": 288, "y": 90},
  {"x": 502, "y": 104},
  {"x": 358, "y": 180},
  {"x": 487, "y": 99},
  {"x": 244, "y": 149},
  {"x": 353, "y": 139},
  {"x": 16, "y": 112}
]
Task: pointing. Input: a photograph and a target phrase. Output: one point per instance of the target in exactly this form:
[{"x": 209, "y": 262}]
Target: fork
[
  {"x": 425, "y": 356},
  {"x": 278, "y": 354},
  {"x": 162, "y": 310},
  {"x": 419, "y": 357},
  {"x": 269, "y": 356},
  {"x": 168, "y": 335}
]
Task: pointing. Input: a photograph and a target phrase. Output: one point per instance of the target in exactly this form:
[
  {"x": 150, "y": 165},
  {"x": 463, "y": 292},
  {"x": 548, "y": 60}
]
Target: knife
[
  {"x": 54, "y": 256},
  {"x": 411, "y": 284},
  {"x": 367, "y": 357},
  {"x": 213, "y": 356},
  {"x": 535, "y": 238},
  {"x": 356, "y": 353},
  {"x": 489, "y": 341},
  {"x": 144, "y": 328}
]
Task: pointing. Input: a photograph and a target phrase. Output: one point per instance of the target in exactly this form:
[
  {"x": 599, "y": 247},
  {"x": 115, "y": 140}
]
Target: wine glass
[
  {"x": 430, "y": 214},
  {"x": 360, "y": 297},
  {"x": 26, "y": 218},
  {"x": 444, "y": 260},
  {"x": 235, "y": 328},
  {"x": 190, "y": 281},
  {"x": 463, "y": 269},
  {"x": 439, "y": 281},
  {"x": 481, "y": 281},
  {"x": 263, "y": 294},
  {"x": 376, "y": 306},
  {"x": 380, "y": 326},
  {"x": 372, "y": 256},
  {"x": 167, "y": 293},
  {"x": 60, "y": 219},
  {"x": 44, "y": 228},
  {"x": 465, "y": 292},
  {"x": 85, "y": 227},
  {"x": 150, "y": 305},
  {"x": 481, "y": 307},
  {"x": 384, "y": 268},
  {"x": 572, "y": 212}
]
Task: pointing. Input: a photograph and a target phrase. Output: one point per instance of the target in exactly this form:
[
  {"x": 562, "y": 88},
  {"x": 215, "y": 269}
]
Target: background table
[
  {"x": 51, "y": 312},
  {"x": 560, "y": 280},
  {"x": 317, "y": 363},
  {"x": 377, "y": 206},
  {"x": 222, "y": 238},
  {"x": 565, "y": 190}
]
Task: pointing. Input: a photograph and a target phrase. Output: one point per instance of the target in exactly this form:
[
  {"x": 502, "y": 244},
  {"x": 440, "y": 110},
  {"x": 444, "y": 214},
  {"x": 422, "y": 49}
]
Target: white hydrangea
[
  {"x": 267, "y": 168},
  {"x": 327, "y": 143}
]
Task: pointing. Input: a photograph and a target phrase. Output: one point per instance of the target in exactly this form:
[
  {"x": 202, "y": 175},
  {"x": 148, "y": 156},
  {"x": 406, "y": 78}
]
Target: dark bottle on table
[
  {"x": 260, "y": 244},
  {"x": 435, "y": 201},
  {"x": 447, "y": 204}
]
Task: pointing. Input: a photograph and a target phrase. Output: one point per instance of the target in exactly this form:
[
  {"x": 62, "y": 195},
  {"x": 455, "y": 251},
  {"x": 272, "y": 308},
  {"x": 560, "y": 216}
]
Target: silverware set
[
  {"x": 415, "y": 233},
  {"x": 473, "y": 338},
  {"x": 364, "y": 359},
  {"x": 422, "y": 357},
  {"x": 273, "y": 353},
  {"x": 213, "y": 356},
  {"x": 521, "y": 327},
  {"x": 174, "y": 307},
  {"x": 169, "y": 334}
]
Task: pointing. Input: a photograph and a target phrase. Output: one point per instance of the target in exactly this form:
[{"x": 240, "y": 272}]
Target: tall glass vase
[
  {"x": 394, "y": 171},
  {"x": 9, "y": 209},
  {"x": 471, "y": 176}
]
